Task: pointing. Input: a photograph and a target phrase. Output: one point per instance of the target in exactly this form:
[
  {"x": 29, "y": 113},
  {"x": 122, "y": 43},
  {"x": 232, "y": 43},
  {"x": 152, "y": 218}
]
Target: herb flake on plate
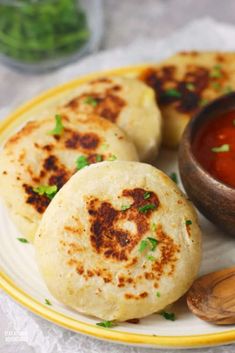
[
  {"x": 23, "y": 240},
  {"x": 106, "y": 324},
  {"x": 168, "y": 316}
]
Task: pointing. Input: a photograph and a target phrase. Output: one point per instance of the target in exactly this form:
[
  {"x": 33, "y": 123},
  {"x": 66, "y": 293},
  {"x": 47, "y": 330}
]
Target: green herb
[
  {"x": 143, "y": 245},
  {"x": 47, "y": 190},
  {"x": 228, "y": 89},
  {"x": 216, "y": 86},
  {"x": 22, "y": 240},
  {"x": 112, "y": 158},
  {"x": 154, "y": 227},
  {"x": 81, "y": 162},
  {"x": 105, "y": 146},
  {"x": 106, "y": 324},
  {"x": 59, "y": 128},
  {"x": 91, "y": 101},
  {"x": 158, "y": 294},
  {"x": 98, "y": 158},
  {"x": 47, "y": 302},
  {"x": 222, "y": 148},
  {"x": 146, "y": 208},
  {"x": 147, "y": 195},
  {"x": 174, "y": 177},
  {"x": 154, "y": 243},
  {"x": 234, "y": 122},
  {"x": 216, "y": 72},
  {"x": 168, "y": 316},
  {"x": 33, "y": 31},
  {"x": 125, "y": 207},
  {"x": 190, "y": 86},
  {"x": 172, "y": 92},
  {"x": 150, "y": 257},
  {"x": 203, "y": 102},
  {"x": 188, "y": 222}
]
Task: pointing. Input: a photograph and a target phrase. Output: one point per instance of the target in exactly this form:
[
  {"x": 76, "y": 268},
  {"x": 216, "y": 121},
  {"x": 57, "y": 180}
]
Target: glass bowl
[{"x": 40, "y": 35}]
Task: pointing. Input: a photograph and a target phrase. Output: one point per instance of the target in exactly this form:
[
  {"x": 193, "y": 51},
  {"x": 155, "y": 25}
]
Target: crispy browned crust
[
  {"x": 112, "y": 242},
  {"x": 192, "y": 71}
]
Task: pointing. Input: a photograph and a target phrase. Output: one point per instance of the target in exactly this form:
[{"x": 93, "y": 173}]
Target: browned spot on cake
[
  {"x": 136, "y": 297},
  {"x": 88, "y": 141},
  {"x": 39, "y": 202},
  {"x": 164, "y": 78},
  {"x": 106, "y": 236}
]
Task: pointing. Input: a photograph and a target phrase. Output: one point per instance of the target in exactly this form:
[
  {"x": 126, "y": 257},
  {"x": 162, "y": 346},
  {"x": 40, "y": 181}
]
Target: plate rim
[{"x": 23, "y": 298}]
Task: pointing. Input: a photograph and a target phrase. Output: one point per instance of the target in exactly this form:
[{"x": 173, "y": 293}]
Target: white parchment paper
[{"x": 36, "y": 335}]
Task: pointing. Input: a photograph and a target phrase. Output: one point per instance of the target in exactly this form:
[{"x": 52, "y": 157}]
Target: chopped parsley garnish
[
  {"x": 158, "y": 294},
  {"x": 146, "y": 208},
  {"x": 148, "y": 242},
  {"x": 234, "y": 122},
  {"x": 105, "y": 146},
  {"x": 154, "y": 243},
  {"x": 203, "y": 102},
  {"x": 143, "y": 245},
  {"x": 112, "y": 158},
  {"x": 125, "y": 207},
  {"x": 47, "y": 302},
  {"x": 154, "y": 227},
  {"x": 106, "y": 324},
  {"x": 168, "y": 316},
  {"x": 172, "y": 92},
  {"x": 81, "y": 162},
  {"x": 174, "y": 177},
  {"x": 147, "y": 195},
  {"x": 98, "y": 158},
  {"x": 59, "y": 128},
  {"x": 216, "y": 72},
  {"x": 22, "y": 240},
  {"x": 150, "y": 257},
  {"x": 47, "y": 190},
  {"x": 216, "y": 86},
  {"x": 91, "y": 100},
  {"x": 190, "y": 86},
  {"x": 222, "y": 148},
  {"x": 188, "y": 222}
]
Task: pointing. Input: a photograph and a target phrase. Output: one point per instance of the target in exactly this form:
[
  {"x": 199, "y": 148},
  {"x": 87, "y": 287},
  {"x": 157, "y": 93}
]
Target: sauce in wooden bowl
[{"x": 214, "y": 147}]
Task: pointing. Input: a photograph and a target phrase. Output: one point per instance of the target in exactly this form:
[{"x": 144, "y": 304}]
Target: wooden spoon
[{"x": 212, "y": 297}]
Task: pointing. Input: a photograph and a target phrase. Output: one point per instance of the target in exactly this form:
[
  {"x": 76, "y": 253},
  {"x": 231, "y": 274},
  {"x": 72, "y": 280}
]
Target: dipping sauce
[{"x": 214, "y": 147}]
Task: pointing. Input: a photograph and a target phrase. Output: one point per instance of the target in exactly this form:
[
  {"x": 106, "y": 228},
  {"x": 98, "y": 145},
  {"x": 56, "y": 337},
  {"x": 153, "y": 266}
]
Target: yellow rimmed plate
[{"x": 20, "y": 277}]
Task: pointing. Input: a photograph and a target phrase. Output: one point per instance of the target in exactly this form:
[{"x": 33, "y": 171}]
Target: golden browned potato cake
[
  {"x": 184, "y": 83},
  {"x": 35, "y": 164},
  {"x": 123, "y": 244},
  {"x": 126, "y": 102}
]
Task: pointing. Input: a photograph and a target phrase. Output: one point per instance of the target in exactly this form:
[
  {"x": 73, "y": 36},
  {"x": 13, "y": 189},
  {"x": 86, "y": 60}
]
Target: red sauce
[{"x": 216, "y": 133}]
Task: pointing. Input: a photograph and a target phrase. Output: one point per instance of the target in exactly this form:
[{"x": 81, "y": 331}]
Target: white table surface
[{"x": 125, "y": 22}]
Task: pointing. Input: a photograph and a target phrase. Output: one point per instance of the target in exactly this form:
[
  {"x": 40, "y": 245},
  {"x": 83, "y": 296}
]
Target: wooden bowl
[{"x": 213, "y": 198}]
